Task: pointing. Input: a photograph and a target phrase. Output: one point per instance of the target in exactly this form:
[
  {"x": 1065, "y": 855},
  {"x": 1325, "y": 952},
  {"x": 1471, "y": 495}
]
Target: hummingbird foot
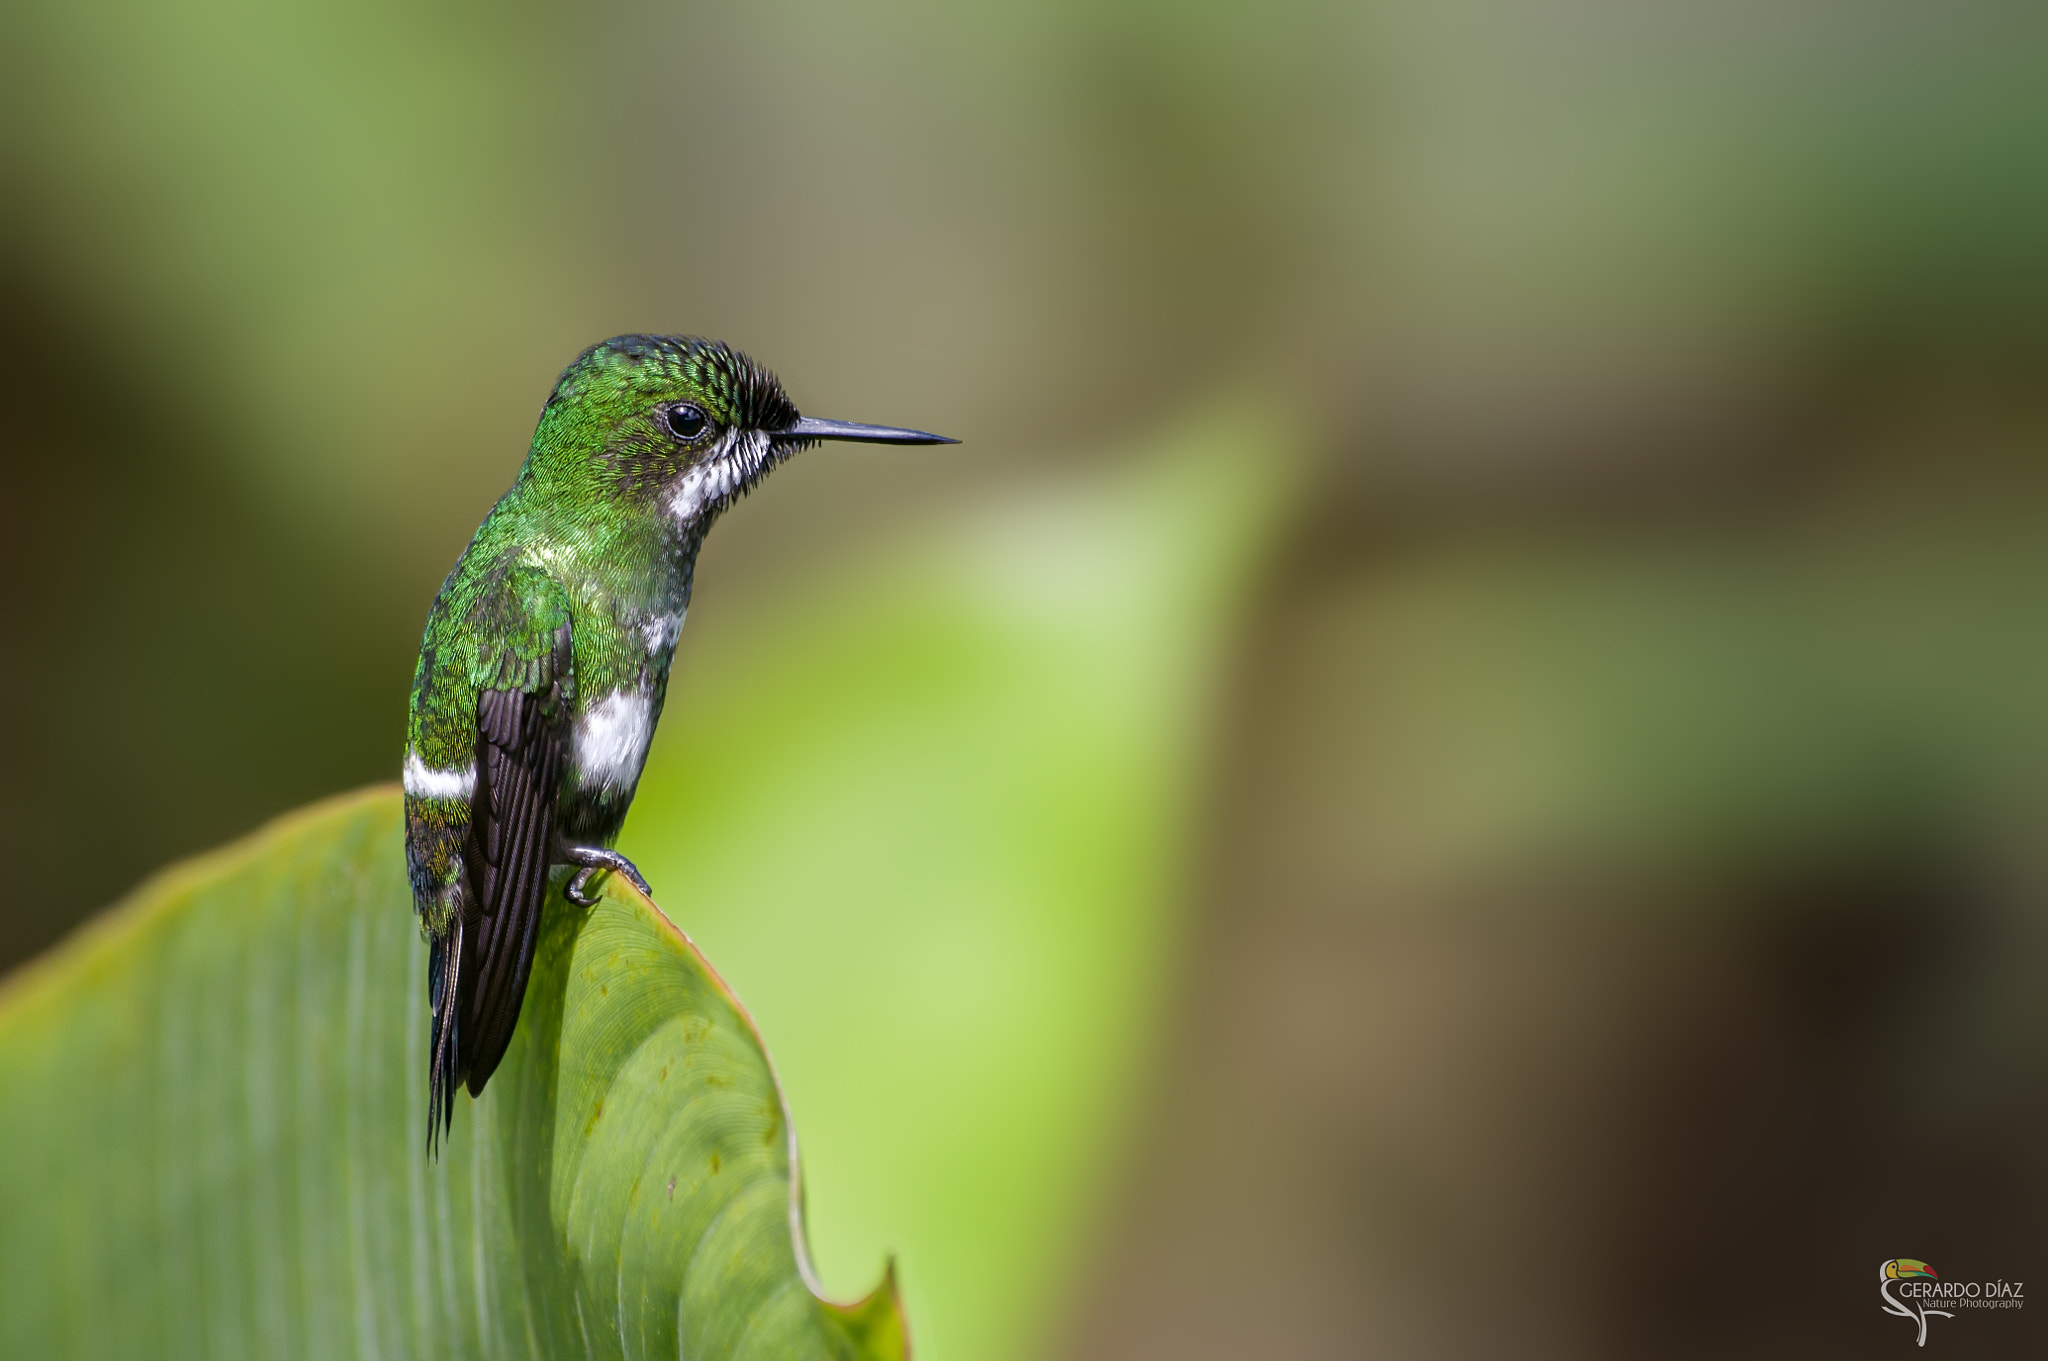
[{"x": 595, "y": 860}]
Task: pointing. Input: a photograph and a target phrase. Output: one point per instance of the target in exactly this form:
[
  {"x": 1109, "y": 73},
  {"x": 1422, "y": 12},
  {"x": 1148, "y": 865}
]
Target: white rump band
[{"x": 424, "y": 783}]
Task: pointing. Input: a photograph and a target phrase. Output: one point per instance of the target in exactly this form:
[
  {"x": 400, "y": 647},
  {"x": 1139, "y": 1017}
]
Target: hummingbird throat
[{"x": 739, "y": 460}]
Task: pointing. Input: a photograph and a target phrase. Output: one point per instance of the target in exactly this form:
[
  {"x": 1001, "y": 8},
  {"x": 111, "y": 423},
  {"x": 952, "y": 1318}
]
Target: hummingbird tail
[{"x": 444, "y": 975}]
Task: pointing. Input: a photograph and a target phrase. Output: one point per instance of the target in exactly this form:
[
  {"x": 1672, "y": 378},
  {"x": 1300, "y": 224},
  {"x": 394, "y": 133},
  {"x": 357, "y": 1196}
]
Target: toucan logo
[
  {"x": 1907, "y": 1269},
  {"x": 1909, "y": 1286}
]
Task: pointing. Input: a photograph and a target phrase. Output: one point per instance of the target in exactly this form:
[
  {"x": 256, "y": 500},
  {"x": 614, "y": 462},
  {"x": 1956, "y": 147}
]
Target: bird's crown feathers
[{"x": 629, "y": 370}]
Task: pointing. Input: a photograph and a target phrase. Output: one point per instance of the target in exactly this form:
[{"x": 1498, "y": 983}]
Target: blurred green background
[{"x": 1456, "y": 766}]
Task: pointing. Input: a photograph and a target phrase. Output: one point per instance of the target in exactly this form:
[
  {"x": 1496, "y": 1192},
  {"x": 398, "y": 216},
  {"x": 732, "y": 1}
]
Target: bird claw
[{"x": 595, "y": 860}]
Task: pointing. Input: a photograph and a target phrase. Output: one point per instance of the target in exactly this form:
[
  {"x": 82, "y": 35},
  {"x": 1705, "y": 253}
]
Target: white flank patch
[
  {"x": 734, "y": 463},
  {"x": 611, "y": 739},
  {"x": 424, "y": 782},
  {"x": 661, "y": 631}
]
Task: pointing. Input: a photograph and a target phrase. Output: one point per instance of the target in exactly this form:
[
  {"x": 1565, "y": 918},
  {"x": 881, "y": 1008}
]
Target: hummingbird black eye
[{"x": 686, "y": 422}]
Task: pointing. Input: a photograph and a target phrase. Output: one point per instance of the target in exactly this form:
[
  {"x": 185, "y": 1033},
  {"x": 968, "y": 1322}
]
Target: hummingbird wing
[
  {"x": 519, "y": 754},
  {"x": 519, "y": 686}
]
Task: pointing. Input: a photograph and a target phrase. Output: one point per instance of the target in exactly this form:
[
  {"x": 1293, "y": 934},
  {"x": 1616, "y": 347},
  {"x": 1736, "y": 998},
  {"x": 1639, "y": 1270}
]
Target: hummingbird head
[{"x": 682, "y": 425}]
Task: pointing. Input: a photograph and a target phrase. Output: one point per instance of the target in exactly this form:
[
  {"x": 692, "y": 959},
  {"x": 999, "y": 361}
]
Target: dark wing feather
[{"x": 521, "y": 738}]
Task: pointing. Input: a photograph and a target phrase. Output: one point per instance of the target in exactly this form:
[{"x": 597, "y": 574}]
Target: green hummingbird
[{"x": 546, "y": 658}]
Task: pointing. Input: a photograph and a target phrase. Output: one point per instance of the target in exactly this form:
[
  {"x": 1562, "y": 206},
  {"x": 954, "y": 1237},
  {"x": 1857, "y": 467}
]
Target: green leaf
[
  {"x": 932, "y": 814},
  {"x": 212, "y": 1111}
]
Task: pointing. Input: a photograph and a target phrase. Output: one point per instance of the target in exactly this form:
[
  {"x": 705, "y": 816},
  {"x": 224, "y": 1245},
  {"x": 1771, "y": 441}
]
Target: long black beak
[{"x": 810, "y": 427}]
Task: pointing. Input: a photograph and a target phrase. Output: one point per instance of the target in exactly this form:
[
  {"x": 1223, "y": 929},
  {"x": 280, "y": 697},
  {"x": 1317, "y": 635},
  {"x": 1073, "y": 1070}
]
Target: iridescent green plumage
[{"x": 546, "y": 657}]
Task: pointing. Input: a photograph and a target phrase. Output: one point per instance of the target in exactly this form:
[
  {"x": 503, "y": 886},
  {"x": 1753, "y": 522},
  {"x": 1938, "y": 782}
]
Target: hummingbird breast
[
  {"x": 611, "y": 737},
  {"x": 623, "y": 657}
]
